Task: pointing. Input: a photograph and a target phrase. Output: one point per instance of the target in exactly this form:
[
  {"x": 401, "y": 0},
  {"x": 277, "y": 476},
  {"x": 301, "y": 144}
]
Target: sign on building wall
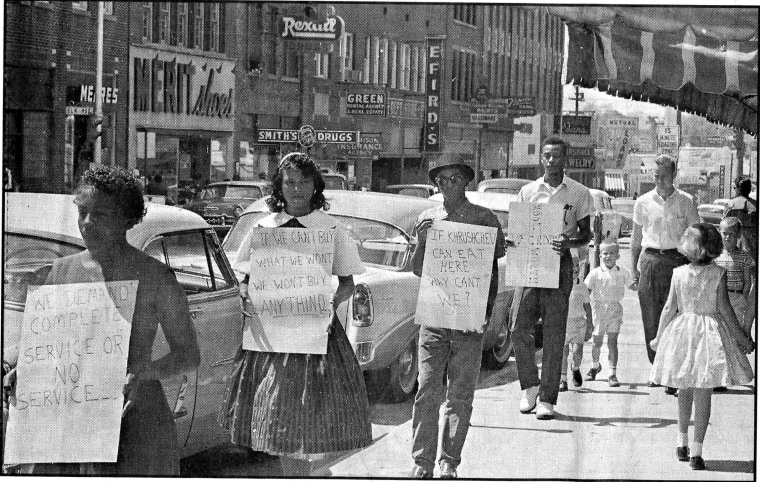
[
  {"x": 368, "y": 147},
  {"x": 581, "y": 157},
  {"x": 573, "y": 124},
  {"x": 406, "y": 109},
  {"x": 292, "y": 135},
  {"x": 668, "y": 139},
  {"x": 366, "y": 103},
  {"x": 296, "y": 28},
  {"x": 433, "y": 75}
]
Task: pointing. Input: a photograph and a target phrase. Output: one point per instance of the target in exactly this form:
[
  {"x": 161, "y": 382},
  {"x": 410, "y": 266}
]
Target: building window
[
  {"x": 384, "y": 61},
  {"x": 182, "y": 24},
  {"x": 394, "y": 64},
  {"x": 346, "y": 55},
  {"x": 462, "y": 76},
  {"x": 367, "y": 55},
  {"x": 290, "y": 62},
  {"x": 271, "y": 56},
  {"x": 375, "y": 60},
  {"x": 321, "y": 104},
  {"x": 147, "y": 20},
  {"x": 107, "y": 8},
  {"x": 197, "y": 25},
  {"x": 465, "y": 13},
  {"x": 406, "y": 66},
  {"x": 322, "y": 65},
  {"x": 79, "y": 6},
  {"x": 415, "y": 65},
  {"x": 163, "y": 23},
  {"x": 213, "y": 27}
]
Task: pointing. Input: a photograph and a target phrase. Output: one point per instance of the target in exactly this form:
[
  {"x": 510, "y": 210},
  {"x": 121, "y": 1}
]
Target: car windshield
[
  {"x": 231, "y": 192},
  {"x": 27, "y": 262},
  {"x": 334, "y": 182},
  {"x": 410, "y": 191},
  {"x": 379, "y": 243}
]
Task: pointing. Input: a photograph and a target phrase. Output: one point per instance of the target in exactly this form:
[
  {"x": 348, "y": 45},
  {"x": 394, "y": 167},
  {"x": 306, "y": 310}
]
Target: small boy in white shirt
[{"x": 607, "y": 283}]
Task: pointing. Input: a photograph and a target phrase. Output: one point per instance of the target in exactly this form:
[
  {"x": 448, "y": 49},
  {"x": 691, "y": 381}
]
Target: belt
[
  {"x": 736, "y": 291},
  {"x": 662, "y": 251}
]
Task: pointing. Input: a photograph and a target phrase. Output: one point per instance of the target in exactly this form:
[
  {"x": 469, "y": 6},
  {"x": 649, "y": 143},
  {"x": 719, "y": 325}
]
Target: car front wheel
[
  {"x": 402, "y": 382},
  {"x": 496, "y": 357}
]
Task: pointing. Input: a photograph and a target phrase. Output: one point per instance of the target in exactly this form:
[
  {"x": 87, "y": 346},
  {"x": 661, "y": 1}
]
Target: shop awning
[
  {"x": 614, "y": 182},
  {"x": 699, "y": 60}
]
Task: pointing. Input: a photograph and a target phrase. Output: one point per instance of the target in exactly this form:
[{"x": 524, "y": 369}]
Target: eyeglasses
[{"x": 453, "y": 179}]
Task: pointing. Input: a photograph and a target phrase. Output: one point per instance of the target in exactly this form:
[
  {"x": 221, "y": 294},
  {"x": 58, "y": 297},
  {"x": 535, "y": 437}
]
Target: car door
[{"x": 204, "y": 273}]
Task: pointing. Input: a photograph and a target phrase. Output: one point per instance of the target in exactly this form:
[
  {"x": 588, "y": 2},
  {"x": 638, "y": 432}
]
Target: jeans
[
  {"x": 550, "y": 305},
  {"x": 654, "y": 286},
  {"x": 458, "y": 354}
]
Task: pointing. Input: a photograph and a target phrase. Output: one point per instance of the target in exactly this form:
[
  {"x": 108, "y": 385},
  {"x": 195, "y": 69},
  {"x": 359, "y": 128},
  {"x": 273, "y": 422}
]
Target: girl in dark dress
[{"x": 299, "y": 405}]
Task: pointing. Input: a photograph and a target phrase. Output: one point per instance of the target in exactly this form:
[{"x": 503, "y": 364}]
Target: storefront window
[{"x": 218, "y": 163}]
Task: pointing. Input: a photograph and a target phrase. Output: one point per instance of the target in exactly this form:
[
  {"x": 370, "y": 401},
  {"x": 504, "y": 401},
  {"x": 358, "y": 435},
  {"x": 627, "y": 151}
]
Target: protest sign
[
  {"x": 291, "y": 290},
  {"x": 456, "y": 276},
  {"x": 71, "y": 369},
  {"x": 532, "y": 261}
]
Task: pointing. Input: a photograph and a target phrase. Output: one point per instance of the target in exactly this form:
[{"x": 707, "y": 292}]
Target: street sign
[
  {"x": 366, "y": 103},
  {"x": 486, "y": 113},
  {"x": 79, "y": 110}
]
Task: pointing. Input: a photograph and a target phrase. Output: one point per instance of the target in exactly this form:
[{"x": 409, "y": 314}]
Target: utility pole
[
  {"x": 96, "y": 151},
  {"x": 579, "y": 97}
]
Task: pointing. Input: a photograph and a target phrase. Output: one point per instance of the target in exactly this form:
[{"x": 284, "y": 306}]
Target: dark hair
[
  {"x": 701, "y": 243},
  {"x": 743, "y": 185},
  {"x": 309, "y": 169},
  {"x": 119, "y": 184},
  {"x": 664, "y": 159},
  {"x": 556, "y": 141}
]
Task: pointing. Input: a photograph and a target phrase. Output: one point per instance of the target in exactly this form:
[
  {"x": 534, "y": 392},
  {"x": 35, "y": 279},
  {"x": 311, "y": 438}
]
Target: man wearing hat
[{"x": 454, "y": 354}]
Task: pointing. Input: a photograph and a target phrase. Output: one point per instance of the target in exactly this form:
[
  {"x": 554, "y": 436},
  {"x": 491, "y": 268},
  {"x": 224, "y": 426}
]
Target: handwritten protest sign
[
  {"x": 71, "y": 369},
  {"x": 456, "y": 276},
  {"x": 291, "y": 290},
  {"x": 533, "y": 262}
]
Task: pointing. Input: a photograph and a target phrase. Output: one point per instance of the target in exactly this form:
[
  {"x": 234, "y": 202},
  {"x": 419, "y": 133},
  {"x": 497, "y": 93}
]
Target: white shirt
[
  {"x": 346, "y": 260},
  {"x": 573, "y": 195},
  {"x": 607, "y": 290},
  {"x": 663, "y": 221}
]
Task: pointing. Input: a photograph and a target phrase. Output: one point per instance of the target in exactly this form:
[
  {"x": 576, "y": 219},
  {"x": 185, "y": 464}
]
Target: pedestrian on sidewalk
[
  {"x": 740, "y": 272},
  {"x": 549, "y": 304},
  {"x": 744, "y": 208},
  {"x": 579, "y": 325},
  {"x": 291, "y": 405},
  {"x": 700, "y": 344},
  {"x": 607, "y": 283},
  {"x": 660, "y": 217},
  {"x": 446, "y": 354}
]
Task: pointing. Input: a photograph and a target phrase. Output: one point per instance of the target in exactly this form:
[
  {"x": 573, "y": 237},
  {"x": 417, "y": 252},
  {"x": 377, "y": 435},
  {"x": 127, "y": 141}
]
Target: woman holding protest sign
[
  {"x": 290, "y": 404},
  {"x": 110, "y": 202}
]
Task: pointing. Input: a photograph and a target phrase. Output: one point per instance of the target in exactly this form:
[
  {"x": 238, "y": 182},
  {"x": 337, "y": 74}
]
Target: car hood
[{"x": 218, "y": 205}]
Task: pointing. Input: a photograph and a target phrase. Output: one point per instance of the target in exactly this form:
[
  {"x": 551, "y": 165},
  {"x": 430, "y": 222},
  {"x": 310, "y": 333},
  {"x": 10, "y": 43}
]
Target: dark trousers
[
  {"x": 654, "y": 285},
  {"x": 550, "y": 305}
]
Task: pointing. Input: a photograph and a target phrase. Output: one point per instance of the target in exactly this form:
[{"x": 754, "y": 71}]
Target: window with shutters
[
  {"x": 367, "y": 56},
  {"x": 164, "y": 22},
  {"x": 414, "y": 66},
  {"x": 384, "y": 61},
  {"x": 406, "y": 66},
  {"x": 182, "y": 24},
  {"x": 213, "y": 27},
  {"x": 147, "y": 21},
  {"x": 197, "y": 26},
  {"x": 394, "y": 64}
]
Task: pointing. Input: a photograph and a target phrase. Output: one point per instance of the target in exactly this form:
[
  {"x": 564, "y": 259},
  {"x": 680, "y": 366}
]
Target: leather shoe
[
  {"x": 420, "y": 473},
  {"x": 544, "y": 411},
  {"x": 448, "y": 471},
  {"x": 697, "y": 463},
  {"x": 577, "y": 378},
  {"x": 528, "y": 400},
  {"x": 613, "y": 381},
  {"x": 671, "y": 391},
  {"x": 591, "y": 375},
  {"x": 682, "y": 453},
  {"x": 562, "y": 386}
]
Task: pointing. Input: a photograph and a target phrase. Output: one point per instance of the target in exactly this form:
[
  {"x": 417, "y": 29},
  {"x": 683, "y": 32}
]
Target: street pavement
[{"x": 628, "y": 432}]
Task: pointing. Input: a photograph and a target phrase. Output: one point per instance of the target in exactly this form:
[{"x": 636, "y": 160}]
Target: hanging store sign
[
  {"x": 573, "y": 124},
  {"x": 290, "y": 28},
  {"x": 369, "y": 147},
  {"x": 366, "y": 103},
  {"x": 266, "y": 136},
  {"x": 580, "y": 158},
  {"x": 433, "y": 73}
]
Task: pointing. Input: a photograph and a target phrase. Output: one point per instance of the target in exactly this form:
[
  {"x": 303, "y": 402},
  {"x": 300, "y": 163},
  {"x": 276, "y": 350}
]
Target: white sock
[
  {"x": 597, "y": 365},
  {"x": 563, "y": 377},
  {"x": 683, "y": 439},
  {"x": 696, "y": 449},
  {"x": 613, "y": 371},
  {"x": 572, "y": 367}
]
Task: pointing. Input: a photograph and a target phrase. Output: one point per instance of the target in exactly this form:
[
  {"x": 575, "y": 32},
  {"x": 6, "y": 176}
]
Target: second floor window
[
  {"x": 213, "y": 27},
  {"x": 406, "y": 66},
  {"x": 322, "y": 65},
  {"x": 79, "y": 5},
  {"x": 147, "y": 21},
  {"x": 346, "y": 54},
  {"x": 163, "y": 22},
  {"x": 182, "y": 24},
  {"x": 197, "y": 26},
  {"x": 107, "y": 8}
]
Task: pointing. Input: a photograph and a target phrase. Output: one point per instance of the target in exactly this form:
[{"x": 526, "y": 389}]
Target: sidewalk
[{"x": 600, "y": 432}]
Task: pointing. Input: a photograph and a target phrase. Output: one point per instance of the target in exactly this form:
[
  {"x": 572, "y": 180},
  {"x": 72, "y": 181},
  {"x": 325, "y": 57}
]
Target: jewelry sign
[
  {"x": 532, "y": 261},
  {"x": 433, "y": 75}
]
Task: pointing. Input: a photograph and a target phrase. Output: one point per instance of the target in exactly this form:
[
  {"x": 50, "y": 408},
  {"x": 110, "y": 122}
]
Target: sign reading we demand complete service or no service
[
  {"x": 532, "y": 261},
  {"x": 456, "y": 276},
  {"x": 71, "y": 370},
  {"x": 291, "y": 290}
]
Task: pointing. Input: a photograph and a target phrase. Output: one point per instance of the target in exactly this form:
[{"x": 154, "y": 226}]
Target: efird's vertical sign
[{"x": 433, "y": 75}]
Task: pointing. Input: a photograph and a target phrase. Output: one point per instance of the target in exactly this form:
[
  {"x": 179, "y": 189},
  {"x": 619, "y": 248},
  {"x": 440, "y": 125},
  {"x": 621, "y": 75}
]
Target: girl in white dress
[{"x": 700, "y": 344}]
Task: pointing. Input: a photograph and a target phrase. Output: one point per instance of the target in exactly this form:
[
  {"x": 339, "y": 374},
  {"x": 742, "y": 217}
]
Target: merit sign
[{"x": 366, "y": 104}]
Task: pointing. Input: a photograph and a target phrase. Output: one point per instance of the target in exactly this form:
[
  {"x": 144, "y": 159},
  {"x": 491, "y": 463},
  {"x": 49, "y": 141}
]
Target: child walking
[
  {"x": 607, "y": 283},
  {"x": 579, "y": 326},
  {"x": 700, "y": 344},
  {"x": 740, "y": 275}
]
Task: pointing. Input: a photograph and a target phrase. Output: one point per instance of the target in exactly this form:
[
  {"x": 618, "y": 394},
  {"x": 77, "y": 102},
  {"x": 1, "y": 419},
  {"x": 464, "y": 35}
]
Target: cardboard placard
[
  {"x": 71, "y": 370},
  {"x": 456, "y": 276},
  {"x": 291, "y": 290},
  {"x": 532, "y": 261}
]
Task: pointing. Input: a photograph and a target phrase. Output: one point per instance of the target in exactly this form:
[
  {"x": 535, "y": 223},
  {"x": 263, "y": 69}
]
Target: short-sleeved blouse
[{"x": 346, "y": 261}]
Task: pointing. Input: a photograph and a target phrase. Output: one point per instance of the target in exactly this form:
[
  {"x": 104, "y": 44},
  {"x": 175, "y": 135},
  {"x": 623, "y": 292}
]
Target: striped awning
[
  {"x": 699, "y": 60},
  {"x": 614, "y": 182}
]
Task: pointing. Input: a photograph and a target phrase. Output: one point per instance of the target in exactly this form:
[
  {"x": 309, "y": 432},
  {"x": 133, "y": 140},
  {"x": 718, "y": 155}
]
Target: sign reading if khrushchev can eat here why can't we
[
  {"x": 291, "y": 290},
  {"x": 71, "y": 370},
  {"x": 456, "y": 276},
  {"x": 532, "y": 261}
]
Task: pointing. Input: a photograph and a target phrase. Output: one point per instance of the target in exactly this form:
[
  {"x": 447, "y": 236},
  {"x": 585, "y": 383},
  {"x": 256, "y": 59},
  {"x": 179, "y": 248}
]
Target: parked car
[
  {"x": 509, "y": 185},
  {"x": 416, "y": 190},
  {"x": 711, "y": 213},
  {"x": 221, "y": 203},
  {"x": 379, "y": 318},
  {"x": 42, "y": 227},
  {"x": 335, "y": 181},
  {"x": 624, "y": 207}
]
